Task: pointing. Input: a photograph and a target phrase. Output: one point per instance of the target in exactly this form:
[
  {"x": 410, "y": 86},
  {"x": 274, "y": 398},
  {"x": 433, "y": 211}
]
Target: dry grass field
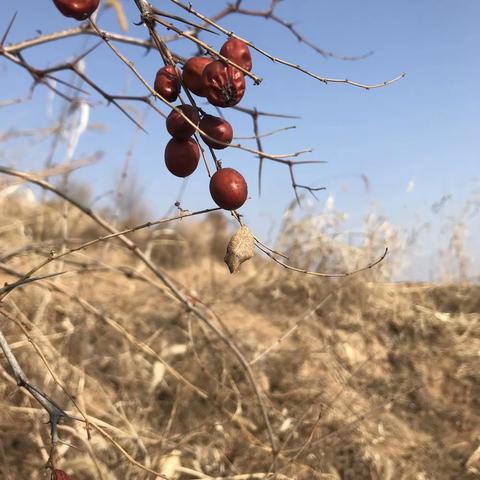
[{"x": 362, "y": 378}]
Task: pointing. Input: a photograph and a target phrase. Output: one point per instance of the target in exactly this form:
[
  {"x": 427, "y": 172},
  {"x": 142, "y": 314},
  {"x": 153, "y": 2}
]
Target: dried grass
[{"x": 380, "y": 382}]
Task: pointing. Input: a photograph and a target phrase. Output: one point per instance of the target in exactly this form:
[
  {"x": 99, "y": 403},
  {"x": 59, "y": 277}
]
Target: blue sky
[{"x": 422, "y": 131}]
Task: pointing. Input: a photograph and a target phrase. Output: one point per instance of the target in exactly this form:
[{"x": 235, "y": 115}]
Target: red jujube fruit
[
  {"x": 78, "y": 9},
  {"x": 238, "y": 52},
  {"x": 60, "y": 475},
  {"x": 224, "y": 84},
  {"x": 167, "y": 83},
  {"x": 178, "y": 127},
  {"x": 181, "y": 157},
  {"x": 217, "y": 128},
  {"x": 228, "y": 189},
  {"x": 192, "y": 74}
]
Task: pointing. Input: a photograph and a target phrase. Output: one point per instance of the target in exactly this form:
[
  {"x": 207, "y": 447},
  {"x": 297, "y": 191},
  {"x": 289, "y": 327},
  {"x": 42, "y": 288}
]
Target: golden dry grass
[{"x": 380, "y": 382}]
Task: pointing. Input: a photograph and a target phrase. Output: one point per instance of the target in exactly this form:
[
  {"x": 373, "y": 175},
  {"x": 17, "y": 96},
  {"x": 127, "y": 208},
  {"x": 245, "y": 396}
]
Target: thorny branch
[{"x": 55, "y": 412}]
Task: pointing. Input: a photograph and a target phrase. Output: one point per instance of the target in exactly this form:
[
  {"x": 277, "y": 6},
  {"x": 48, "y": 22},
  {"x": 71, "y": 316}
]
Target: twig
[
  {"x": 266, "y": 134},
  {"x": 84, "y": 29},
  {"x": 55, "y": 412},
  {"x": 322, "y": 274},
  {"x": 325, "y": 80},
  {"x": 7, "y": 31},
  {"x": 27, "y": 277}
]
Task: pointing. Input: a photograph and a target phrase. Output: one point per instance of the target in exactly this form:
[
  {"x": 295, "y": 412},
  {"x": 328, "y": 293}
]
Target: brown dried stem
[{"x": 321, "y": 274}]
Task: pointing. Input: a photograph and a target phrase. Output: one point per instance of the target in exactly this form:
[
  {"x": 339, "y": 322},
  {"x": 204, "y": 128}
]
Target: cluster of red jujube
[{"x": 223, "y": 85}]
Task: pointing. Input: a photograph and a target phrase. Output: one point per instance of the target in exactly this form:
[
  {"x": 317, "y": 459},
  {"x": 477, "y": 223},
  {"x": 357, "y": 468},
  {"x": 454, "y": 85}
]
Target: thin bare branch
[
  {"x": 7, "y": 31},
  {"x": 295, "y": 66},
  {"x": 322, "y": 274}
]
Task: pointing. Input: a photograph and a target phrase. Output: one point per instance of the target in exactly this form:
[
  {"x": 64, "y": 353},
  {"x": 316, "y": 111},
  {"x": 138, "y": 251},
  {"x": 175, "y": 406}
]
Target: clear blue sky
[{"x": 424, "y": 128}]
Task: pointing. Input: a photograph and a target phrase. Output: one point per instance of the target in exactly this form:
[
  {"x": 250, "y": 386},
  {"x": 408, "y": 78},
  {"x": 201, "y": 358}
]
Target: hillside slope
[{"x": 362, "y": 379}]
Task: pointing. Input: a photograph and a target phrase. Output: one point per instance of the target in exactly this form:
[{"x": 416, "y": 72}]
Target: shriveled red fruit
[
  {"x": 167, "y": 83},
  {"x": 228, "y": 189},
  {"x": 217, "y": 128},
  {"x": 181, "y": 157},
  {"x": 178, "y": 127},
  {"x": 78, "y": 9},
  {"x": 60, "y": 475},
  {"x": 238, "y": 52},
  {"x": 192, "y": 74},
  {"x": 224, "y": 84}
]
